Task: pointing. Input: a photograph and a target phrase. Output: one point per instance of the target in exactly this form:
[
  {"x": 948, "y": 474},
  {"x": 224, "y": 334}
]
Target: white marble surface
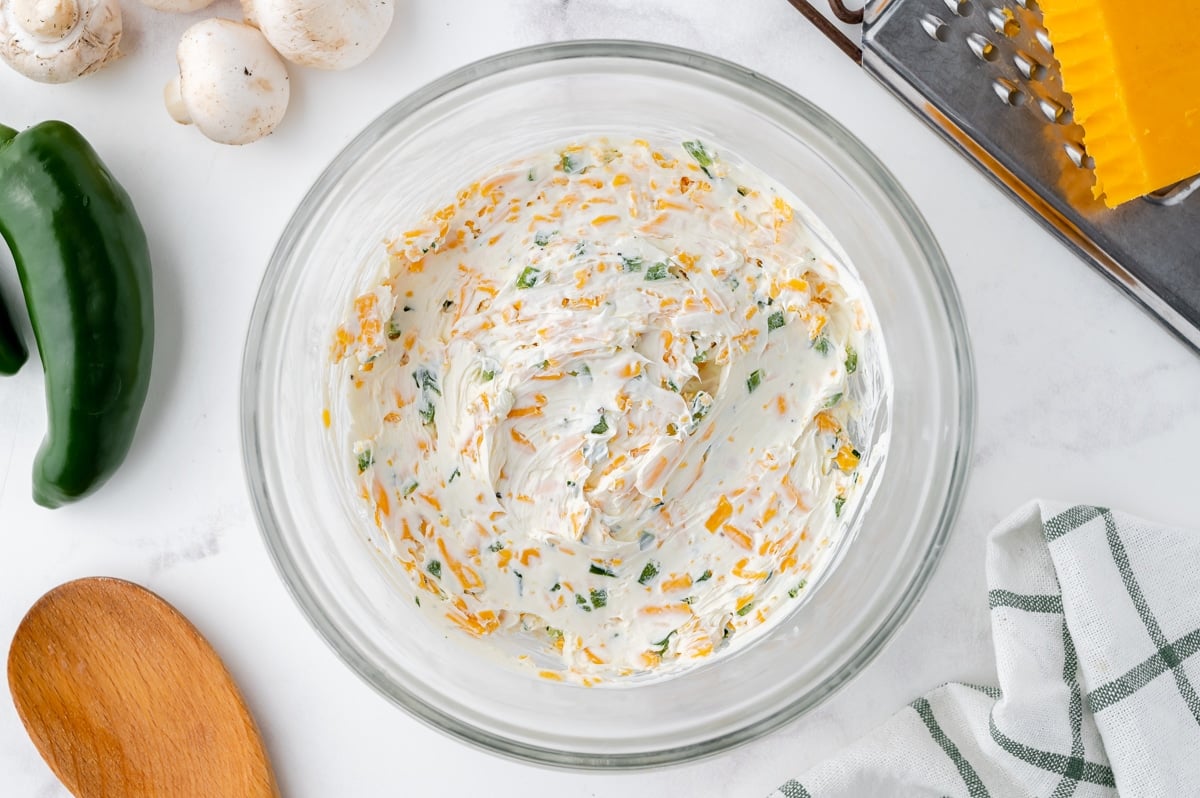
[{"x": 1081, "y": 396}]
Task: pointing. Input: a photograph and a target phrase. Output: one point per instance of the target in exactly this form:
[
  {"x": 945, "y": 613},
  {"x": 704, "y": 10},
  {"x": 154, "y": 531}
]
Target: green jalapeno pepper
[
  {"x": 84, "y": 266},
  {"x": 13, "y": 353},
  {"x": 12, "y": 349}
]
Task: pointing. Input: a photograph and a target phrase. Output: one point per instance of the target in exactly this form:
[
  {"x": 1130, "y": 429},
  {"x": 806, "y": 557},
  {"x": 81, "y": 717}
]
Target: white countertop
[{"x": 1082, "y": 397}]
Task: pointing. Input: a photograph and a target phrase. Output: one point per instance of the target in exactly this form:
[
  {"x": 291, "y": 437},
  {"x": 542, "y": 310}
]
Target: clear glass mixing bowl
[{"x": 454, "y": 130}]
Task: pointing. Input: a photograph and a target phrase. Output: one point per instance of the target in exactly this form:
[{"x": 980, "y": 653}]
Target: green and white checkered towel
[{"x": 1095, "y": 617}]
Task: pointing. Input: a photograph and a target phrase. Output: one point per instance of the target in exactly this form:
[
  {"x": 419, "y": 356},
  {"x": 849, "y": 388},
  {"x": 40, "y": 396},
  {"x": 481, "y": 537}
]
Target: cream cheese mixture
[{"x": 598, "y": 401}]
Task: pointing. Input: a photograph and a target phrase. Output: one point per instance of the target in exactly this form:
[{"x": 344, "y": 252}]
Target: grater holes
[
  {"x": 935, "y": 27},
  {"x": 1004, "y": 22},
  {"x": 1078, "y": 156},
  {"x": 1053, "y": 110},
  {"x": 961, "y": 8},
  {"x": 1029, "y": 66},
  {"x": 983, "y": 49},
  {"x": 1008, "y": 92},
  {"x": 1173, "y": 195},
  {"x": 1043, "y": 38}
]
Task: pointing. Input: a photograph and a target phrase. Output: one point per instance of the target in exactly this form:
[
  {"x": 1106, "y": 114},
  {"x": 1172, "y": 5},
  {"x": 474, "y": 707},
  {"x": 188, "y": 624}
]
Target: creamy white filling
[{"x": 599, "y": 401}]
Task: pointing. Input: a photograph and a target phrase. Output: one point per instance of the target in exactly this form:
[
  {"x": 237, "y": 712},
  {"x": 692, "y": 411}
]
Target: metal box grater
[{"x": 983, "y": 74}]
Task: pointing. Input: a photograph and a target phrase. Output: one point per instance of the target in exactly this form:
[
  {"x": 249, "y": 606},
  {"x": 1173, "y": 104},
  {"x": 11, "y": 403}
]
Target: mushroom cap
[
  {"x": 177, "y": 6},
  {"x": 232, "y": 85},
  {"x": 56, "y": 41},
  {"x": 321, "y": 33}
]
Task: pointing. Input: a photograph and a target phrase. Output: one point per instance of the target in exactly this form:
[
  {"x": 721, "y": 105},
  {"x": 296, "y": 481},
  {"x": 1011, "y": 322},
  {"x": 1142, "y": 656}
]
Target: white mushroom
[
  {"x": 231, "y": 84},
  {"x": 56, "y": 41},
  {"x": 326, "y": 34},
  {"x": 177, "y": 6}
]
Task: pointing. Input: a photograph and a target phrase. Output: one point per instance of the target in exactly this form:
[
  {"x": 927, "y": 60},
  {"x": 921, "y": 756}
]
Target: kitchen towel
[{"x": 1095, "y": 621}]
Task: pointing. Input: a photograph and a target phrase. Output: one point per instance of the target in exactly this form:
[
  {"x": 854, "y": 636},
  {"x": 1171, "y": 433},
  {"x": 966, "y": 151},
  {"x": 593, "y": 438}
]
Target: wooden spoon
[{"x": 125, "y": 699}]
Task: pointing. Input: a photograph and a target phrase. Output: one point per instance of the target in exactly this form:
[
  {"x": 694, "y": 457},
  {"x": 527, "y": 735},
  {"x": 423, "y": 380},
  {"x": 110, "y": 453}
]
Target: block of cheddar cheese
[{"x": 1133, "y": 74}]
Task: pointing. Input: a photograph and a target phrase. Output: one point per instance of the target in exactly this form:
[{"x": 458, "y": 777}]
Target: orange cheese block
[{"x": 1133, "y": 74}]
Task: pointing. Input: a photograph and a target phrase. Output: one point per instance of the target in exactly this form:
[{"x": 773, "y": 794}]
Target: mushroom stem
[
  {"x": 173, "y": 97},
  {"x": 47, "y": 20}
]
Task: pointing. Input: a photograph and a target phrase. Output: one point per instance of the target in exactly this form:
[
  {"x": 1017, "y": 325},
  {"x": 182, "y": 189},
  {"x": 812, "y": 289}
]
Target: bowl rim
[{"x": 907, "y": 213}]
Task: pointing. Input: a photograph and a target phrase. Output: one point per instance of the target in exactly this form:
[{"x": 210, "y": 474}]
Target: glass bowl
[{"x": 453, "y": 130}]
